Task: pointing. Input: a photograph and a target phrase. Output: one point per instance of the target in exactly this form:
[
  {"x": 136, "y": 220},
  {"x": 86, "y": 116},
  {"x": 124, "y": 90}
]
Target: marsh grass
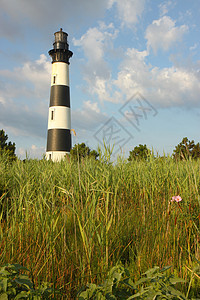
[{"x": 69, "y": 222}]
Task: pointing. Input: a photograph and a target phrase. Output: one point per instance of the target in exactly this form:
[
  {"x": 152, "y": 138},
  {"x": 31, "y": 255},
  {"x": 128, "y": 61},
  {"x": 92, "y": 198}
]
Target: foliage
[
  {"x": 70, "y": 222},
  {"x": 82, "y": 151},
  {"x": 155, "y": 284},
  {"x": 187, "y": 149},
  {"x": 105, "y": 153},
  {"x": 118, "y": 285},
  {"x": 15, "y": 284},
  {"x": 5, "y": 146},
  {"x": 139, "y": 152}
]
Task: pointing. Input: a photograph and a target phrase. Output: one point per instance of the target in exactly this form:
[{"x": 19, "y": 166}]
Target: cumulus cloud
[
  {"x": 96, "y": 71},
  {"x": 176, "y": 87},
  {"x": 32, "y": 79},
  {"x": 134, "y": 73},
  {"x": 88, "y": 118},
  {"x": 129, "y": 11},
  {"x": 24, "y": 96},
  {"x": 165, "y": 87},
  {"x": 163, "y": 34},
  {"x": 37, "y": 72},
  {"x": 92, "y": 106}
]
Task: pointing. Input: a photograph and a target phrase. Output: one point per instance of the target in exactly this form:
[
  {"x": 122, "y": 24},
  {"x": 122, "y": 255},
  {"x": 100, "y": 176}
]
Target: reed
[{"x": 69, "y": 222}]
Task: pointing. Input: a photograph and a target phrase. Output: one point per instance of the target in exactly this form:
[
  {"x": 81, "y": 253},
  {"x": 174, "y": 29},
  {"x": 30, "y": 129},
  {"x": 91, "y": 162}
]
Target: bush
[
  {"x": 16, "y": 284},
  {"x": 155, "y": 284}
]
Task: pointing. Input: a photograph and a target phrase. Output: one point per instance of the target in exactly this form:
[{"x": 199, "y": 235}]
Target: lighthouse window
[
  {"x": 52, "y": 115},
  {"x": 54, "y": 79}
]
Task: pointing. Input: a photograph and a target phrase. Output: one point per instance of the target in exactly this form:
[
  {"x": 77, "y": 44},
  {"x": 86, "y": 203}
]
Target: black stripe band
[
  {"x": 60, "y": 96},
  {"x": 59, "y": 140}
]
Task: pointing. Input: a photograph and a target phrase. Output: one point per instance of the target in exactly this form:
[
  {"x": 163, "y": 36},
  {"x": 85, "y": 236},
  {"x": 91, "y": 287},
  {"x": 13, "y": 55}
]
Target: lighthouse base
[{"x": 56, "y": 156}]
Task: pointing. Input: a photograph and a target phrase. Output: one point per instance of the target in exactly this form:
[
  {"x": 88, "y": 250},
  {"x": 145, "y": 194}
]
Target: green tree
[
  {"x": 139, "y": 152},
  {"x": 196, "y": 151},
  {"x": 5, "y": 146},
  {"x": 82, "y": 151},
  {"x": 186, "y": 149}
]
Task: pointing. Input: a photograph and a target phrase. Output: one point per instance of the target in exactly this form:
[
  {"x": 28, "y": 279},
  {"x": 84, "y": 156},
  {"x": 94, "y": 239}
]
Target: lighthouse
[{"x": 59, "y": 119}]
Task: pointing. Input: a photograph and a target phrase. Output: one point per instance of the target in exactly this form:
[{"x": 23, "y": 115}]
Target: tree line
[
  {"x": 186, "y": 149},
  {"x": 6, "y": 146}
]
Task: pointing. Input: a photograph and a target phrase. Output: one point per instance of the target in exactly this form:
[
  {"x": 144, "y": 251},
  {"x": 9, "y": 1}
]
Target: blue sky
[{"x": 134, "y": 74}]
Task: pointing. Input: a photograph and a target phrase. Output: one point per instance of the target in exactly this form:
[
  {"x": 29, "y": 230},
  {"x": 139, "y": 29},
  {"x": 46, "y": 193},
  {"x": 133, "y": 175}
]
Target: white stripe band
[
  {"x": 60, "y": 74},
  {"x": 59, "y": 117}
]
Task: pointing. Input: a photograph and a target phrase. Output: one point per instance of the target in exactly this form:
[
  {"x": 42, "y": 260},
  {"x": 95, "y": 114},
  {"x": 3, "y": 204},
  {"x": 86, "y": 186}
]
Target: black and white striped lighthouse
[{"x": 59, "y": 120}]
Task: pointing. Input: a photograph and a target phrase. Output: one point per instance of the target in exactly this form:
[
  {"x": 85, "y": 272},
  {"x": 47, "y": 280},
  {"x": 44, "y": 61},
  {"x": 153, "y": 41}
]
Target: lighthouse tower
[{"x": 59, "y": 120}]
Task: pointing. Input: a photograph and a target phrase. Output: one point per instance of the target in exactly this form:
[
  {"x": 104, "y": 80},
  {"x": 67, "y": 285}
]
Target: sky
[{"x": 134, "y": 74}]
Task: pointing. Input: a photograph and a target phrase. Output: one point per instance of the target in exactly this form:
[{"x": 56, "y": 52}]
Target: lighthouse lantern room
[{"x": 59, "y": 119}]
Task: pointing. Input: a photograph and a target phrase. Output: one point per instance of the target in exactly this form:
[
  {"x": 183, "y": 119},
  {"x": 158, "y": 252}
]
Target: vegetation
[
  {"x": 139, "y": 152},
  {"x": 81, "y": 151},
  {"x": 71, "y": 222},
  {"x": 187, "y": 149},
  {"x": 16, "y": 284},
  {"x": 154, "y": 284},
  {"x": 9, "y": 147},
  {"x": 184, "y": 150}
]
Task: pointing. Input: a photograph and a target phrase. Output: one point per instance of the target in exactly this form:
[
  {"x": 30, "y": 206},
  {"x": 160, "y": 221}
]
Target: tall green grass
[{"x": 69, "y": 222}]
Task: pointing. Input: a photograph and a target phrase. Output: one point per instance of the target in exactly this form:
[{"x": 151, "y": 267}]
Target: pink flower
[{"x": 176, "y": 198}]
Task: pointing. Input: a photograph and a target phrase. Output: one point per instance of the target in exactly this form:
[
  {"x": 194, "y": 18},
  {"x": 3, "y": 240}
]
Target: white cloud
[
  {"x": 35, "y": 74},
  {"x": 129, "y": 10},
  {"x": 92, "y": 43},
  {"x": 96, "y": 71},
  {"x": 175, "y": 87},
  {"x": 165, "y": 7},
  {"x": 163, "y": 34},
  {"x": 88, "y": 118},
  {"x": 92, "y": 106},
  {"x": 2, "y": 100},
  {"x": 96, "y": 41},
  {"x": 167, "y": 87},
  {"x": 134, "y": 73},
  {"x": 194, "y": 47},
  {"x": 38, "y": 71},
  {"x": 24, "y": 97}
]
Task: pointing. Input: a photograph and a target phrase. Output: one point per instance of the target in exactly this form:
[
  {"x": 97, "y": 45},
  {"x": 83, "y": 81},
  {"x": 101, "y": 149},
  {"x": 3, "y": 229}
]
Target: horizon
[{"x": 134, "y": 74}]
